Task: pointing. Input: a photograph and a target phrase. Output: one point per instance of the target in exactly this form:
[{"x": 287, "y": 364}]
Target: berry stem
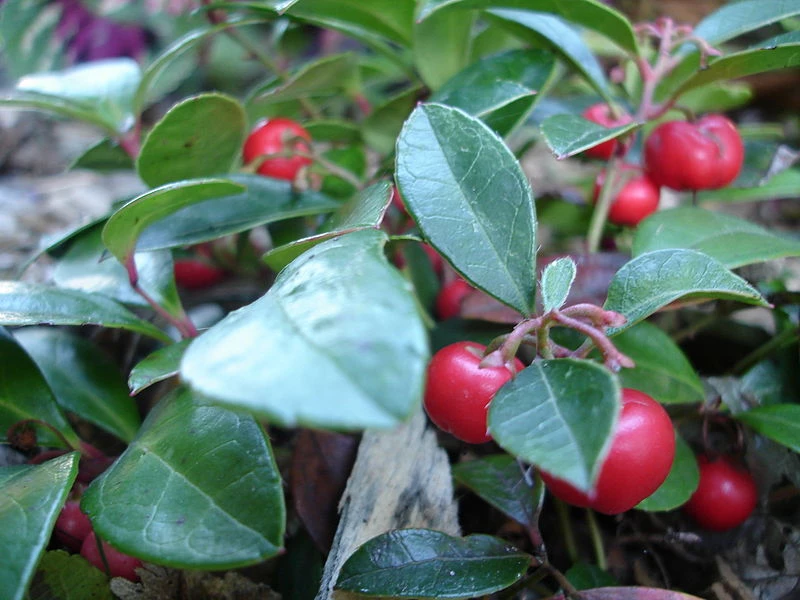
[
  {"x": 597, "y": 539},
  {"x": 604, "y": 201}
]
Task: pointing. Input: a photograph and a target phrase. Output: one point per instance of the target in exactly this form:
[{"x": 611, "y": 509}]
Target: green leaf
[
  {"x": 442, "y": 45},
  {"x": 107, "y": 86},
  {"x": 499, "y": 480},
  {"x": 201, "y": 136},
  {"x": 63, "y": 107},
  {"x": 123, "y": 228},
  {"x": 584, "y": 576},
  {"x": 104, "y": 156},
  {"x": 37, "y": 304},
  {"x": 157, "y": 366},
  {"x": 563, "y": 39},
  {"x": 24, "y": 394},
  {"x": 28, "y": 30},
  {"x": 567, "y": 135},
  {"x": 264, "y": 200},
  {"x": 501, "y": 89},
  {"x": 364, "y": 211},
  {"x": 783, "y": 185},
  {"x": 383, "y": 125},
  {"x": 680, "y": 484},
  {"x": 732, "y": 241},
  {"x": 557, "y": 279},
  {"x": 197, "y": 488},
  {"x": 30, "y": 500},
  {"x": 653, "y": 280},
  {"x": 65, "y": 576},
  {"x": 589, "y": 13},
  {"x": 558, "y": 415},
  {"x": 662, "y": 370},
  {"x": 334, "y": 131},
  {"x": 339, "y": 311},
  {"x": 778, "y": 422},
  {"x": 412, "y": 563},
  {"x": 83, "y": 378},
  {"x": 732, "y": 20},
  {"x": 471, "y": 200}
]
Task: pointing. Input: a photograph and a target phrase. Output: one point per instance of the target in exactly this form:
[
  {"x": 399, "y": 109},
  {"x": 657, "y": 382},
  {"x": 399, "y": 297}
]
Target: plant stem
[
  {"x": 597, "y": 539},
  {"x": 562, "y": 510},
  {"x": 604, "y": 201},
  {"x": 784, "y": 338}
]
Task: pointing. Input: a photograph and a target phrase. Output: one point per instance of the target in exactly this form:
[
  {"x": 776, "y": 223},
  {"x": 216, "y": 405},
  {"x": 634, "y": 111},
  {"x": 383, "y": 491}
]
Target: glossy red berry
[
  {"x": 196, "y": 274},
  {"x": 704, "y": 155},
  {"x": 601, "y": 114},
  {"x": 72, "y": 526},
  {"x": 637, "y": 199},
  {"x": 119, "y": 564},
  {"x": 639, "y": 460},
  {"x": 458, "y": 391},
  {"x": 725, "y": 496},
  {"x": 275, "y": 136},
  {"x": 450, "y": 297}
]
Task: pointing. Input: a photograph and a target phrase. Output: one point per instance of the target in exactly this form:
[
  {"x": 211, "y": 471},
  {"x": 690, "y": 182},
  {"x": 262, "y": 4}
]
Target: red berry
[
  {"x": 638, "y": 462},
  {"x": 704, "y": 155},
  {"x": 72, "y": 526},
  {"x": 195, "y": 274},
  {"x": 458, "y": 391},
  {"x": 119, "y": 564},
  {"x": 637, "y": 199},
  {"x": 450, "y": 297},
  {"x": 272, "y": 137},
  {"x": 725, "y": 496},
  {"x": 601, "y": 114}
]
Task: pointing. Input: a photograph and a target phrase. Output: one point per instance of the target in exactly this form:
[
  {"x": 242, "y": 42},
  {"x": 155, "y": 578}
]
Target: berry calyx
[
  {"x": 639, "y": 460},
  {"x": 600, "y": 113},
  {"x": 277, "y": 136},
  {"x": 726, "y": 494},
  {"x": 705, "y": 155},
  {"x": 119, "y": 564},
  {"x": 72, "y": 526},
  {"x": 638, "y": 198},
  {"x": 450, "y": 297},
  {"x": 458, "y": 390}
]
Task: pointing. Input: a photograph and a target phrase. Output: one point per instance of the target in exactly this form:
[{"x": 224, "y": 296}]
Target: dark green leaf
[
  {"x": 37, "y": 304},
  {"x": 334, "y": 131},
  {"x": 584, "y": 576},
  {"x": 83, "y": 378},
  {"x": 30, "y": 500},
  {"x": 441, "y": 45},
  {"x": 471, "y": 200},
  {"x": 339, "y": 311},
  {"x": 500, "y": 89},
  {"x": 24, "y": 394},
  {"x": 732, "y": 241},
  {"x": 201, "y": 136},
  {"x": 778, "y": 422},
  {"x": 557, "y": 279},
  {"x": 783, "y": 185},
  {"x": 158, "y": 366},
  {"x": 680, "y": 484},
  {"x": 64, "y": 107},
  {"x": 104, "y": 156},
  {"x": 589, "y": 13},
  {"x": 197, "y": 488},
  {"x": 383, "y": 125},
  {"x": 30, "y": 44},
  {"x": 64, "y": 576},
  {"x": 732, "y": 20},
  {"x": 653, "y": 280},
  {"x": 412, "y": 563},
  {"x": 567, "y": 135},
  {"x": 500, "y": 481},
  {"x": 558, "y": 415}
]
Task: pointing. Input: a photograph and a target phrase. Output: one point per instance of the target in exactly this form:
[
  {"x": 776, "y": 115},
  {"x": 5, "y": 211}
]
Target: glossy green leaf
[
  {"x": 568, "y": 135},
  {"x": 562, "y": 38},
  {"x": 30, "y": 500},
  {"x": 264, "y": 200},
  {"x": 27, "y": 28},
  {"x": 414, "y": 563},
  {"x": 584, "y": 576},
  {"x": 107, "y": 86},
  {"x": 558, "y": 415},
  {"x": 64, "y": 107},
  {"x": 732, "y": 20},
  {"x": 729, "y": 239},
  {"x": 157, "y": 366},
  {"x": 339, "y": 311},
  {"x": 680, "y": 484},
  {"x": 783, "y": 185},
  {"x": 37, "y": 304},
  {"x": 778, "y": 422},
  {"x": 383, "y": 125},
  {"x": 24, "y": 394},
  {"x": 500, "y": 89},
  {"x": 441, "y": 45},
  {"x": 471, "y": 200},
  {"x": 653, "y": 280},
  {"x": 64, "y": 576},
  {"x": 197, "y": 488},
  {"x": 499, "y": 480},
  {"x": 662, "y": 370},
  {"x": 365, "y": 210},
  {"x": 104, "y": 156},
  {"x": 83, "y": 378},
  {"x": 123, "y": 228},
  {"x": 201, "y": 136},
  {"x": 557, "y": 279},
  {"x": 589, "y": 13},
  {"x": 334, "y": 131}
]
